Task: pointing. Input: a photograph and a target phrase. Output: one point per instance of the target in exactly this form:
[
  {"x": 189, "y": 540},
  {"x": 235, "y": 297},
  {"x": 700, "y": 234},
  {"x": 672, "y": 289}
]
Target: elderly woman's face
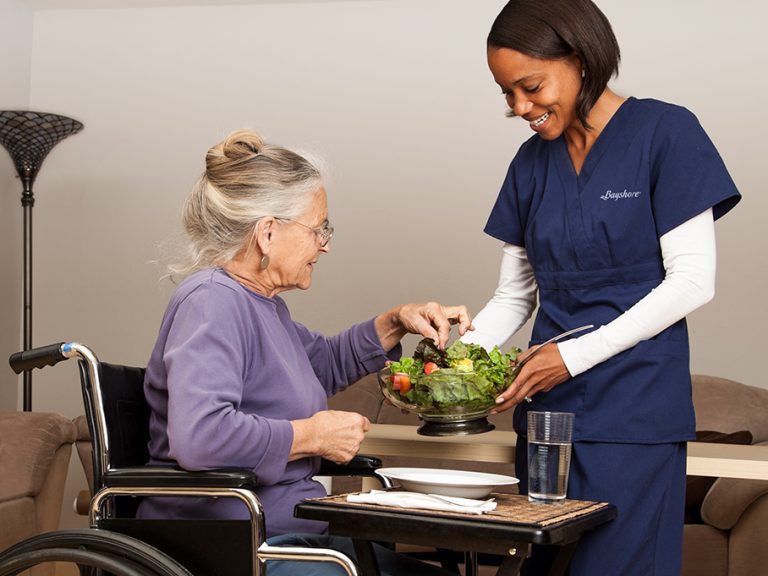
[
  {"x": 300, "y": 244},
  {"x": 543, "y": 92}
]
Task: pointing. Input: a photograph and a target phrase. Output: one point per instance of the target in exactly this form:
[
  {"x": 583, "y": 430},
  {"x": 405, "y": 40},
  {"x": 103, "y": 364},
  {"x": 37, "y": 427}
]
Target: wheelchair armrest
[
  {"x": 167, "y": 477},
  {"x": 359, "y": 466}
]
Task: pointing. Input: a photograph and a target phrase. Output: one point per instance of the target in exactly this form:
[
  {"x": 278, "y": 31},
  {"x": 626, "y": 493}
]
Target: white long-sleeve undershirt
[
  {"x": 689, "y": 258},
  {"x": 512, "y": 304}
]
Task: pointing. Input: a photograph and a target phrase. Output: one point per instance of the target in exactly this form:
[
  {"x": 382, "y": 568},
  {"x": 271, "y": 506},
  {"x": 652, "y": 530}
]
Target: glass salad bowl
[
  {"x": 450, "y": 402},
  {"x": 452, "y": 398}
]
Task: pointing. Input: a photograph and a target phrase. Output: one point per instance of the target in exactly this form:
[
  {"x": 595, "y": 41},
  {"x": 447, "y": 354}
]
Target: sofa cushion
[
  {"x": 705, "y": 551},
  {"x": 729, "y": 499},
  {"x": 28, "y": 443},
  {"x": 730, "y": 406},
  {"x": 696, "y": 487},
  {"x": 17, "y": 521},
  {"x": 84, "y": 449},
  {"x": 362, "y": 397}
]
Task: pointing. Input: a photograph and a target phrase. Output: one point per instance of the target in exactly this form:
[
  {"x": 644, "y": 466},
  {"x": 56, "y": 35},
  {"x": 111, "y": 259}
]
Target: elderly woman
[{"x": 233, "y": 381}]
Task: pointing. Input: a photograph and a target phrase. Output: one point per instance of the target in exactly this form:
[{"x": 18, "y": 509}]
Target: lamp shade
[{"x": 29, "y": 137}]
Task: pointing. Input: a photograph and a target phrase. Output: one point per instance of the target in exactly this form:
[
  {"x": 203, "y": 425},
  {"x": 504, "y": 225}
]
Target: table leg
[
  {"x": 510, "y": 566},
  {"x": 562, "y": 559},
  {"x": 470, "y": 563},
  {"x": 447, "y": 559},
  {"x": 366, "y": 558}
]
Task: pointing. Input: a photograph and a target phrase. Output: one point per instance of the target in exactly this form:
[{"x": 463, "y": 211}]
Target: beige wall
[
  {"x": 15, "y": 54},
  {"x": 397, "y": 97}
]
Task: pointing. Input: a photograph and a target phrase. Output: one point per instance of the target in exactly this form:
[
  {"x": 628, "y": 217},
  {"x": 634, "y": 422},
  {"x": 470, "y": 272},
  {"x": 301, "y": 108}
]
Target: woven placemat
[{"x": 510, "y": 508}]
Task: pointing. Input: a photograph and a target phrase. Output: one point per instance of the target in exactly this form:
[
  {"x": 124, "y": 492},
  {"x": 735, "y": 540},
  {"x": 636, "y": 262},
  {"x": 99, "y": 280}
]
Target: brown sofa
[
  {"x": 35, "y": 448},
  {"x": 732, "y": 538},
  {"x": 84, "y": 449}
]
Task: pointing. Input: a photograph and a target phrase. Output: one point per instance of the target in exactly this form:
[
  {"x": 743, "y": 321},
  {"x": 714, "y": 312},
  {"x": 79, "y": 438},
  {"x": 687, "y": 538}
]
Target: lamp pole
[{"x": 29, "y": 137}]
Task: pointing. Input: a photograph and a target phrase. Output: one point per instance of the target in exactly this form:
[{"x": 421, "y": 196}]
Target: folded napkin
[{"x": 424, "y": 501}]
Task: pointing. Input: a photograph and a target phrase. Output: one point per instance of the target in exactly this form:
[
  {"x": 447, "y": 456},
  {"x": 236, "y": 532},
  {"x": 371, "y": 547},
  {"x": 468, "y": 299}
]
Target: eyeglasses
[{"x": 324, "y": 232}]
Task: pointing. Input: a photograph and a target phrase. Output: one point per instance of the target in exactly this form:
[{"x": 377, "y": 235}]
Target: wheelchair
[{"x": 118, "y": 543}]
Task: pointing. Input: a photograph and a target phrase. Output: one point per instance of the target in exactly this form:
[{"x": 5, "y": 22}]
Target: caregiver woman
[{"x": 607, "y": 217}]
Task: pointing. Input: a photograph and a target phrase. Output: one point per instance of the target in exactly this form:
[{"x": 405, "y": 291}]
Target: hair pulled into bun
[
  {"x": 239, "y": 146},
  {"x": 245, "y": 179}
]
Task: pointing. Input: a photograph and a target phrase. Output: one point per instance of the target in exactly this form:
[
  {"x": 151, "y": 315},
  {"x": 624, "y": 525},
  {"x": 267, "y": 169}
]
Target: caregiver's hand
[{"x": 542, "y": 373}]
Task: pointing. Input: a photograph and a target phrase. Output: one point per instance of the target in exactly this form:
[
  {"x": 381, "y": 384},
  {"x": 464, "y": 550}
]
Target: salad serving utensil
[
  {"x": 456, "y": 501},
  {"x": 519, "y": 366}
]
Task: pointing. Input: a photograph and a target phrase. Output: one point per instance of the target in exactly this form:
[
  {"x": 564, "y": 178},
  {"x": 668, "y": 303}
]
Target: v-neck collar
[
  {"x": 601, "y": 145},
  {"x": 581, "y": 236}
]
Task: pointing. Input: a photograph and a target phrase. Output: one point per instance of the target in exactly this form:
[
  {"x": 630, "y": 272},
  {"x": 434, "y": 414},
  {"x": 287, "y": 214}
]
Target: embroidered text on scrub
[{"x": 610, "y": 195}]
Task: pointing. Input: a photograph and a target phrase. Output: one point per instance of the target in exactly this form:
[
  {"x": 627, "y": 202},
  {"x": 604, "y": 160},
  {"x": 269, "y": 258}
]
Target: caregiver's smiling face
[{"x": 543, "y": 92}]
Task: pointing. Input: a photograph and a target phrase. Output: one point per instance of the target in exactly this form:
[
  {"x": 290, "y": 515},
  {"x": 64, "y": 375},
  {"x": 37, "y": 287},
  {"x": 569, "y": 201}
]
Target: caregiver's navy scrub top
[{"x": 593, "y": 242}]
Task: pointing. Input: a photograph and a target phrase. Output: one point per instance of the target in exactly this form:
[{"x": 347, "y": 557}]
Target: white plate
[{"x": 461, "y": 483}]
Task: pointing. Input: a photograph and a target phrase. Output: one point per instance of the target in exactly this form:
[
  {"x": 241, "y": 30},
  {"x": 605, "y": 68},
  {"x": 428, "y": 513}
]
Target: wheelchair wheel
[
  {"x": 103, "y": 550},
  {"x": 109, "y": 564}
]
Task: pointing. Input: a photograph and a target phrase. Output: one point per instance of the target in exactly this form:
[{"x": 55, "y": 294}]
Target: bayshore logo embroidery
[{"x": 611, "y": 195}]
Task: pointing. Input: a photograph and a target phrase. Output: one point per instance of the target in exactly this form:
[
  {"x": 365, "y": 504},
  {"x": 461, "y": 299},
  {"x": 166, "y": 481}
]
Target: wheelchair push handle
[{"x": 39, "y": 357}]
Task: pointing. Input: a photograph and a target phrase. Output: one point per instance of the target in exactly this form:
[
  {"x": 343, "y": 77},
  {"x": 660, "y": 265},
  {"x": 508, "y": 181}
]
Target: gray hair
[{"x": 245, "y": 180}]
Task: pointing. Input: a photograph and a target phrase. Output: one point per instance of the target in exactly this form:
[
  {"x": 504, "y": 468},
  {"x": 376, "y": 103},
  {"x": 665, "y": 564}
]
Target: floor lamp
[{"x": 29, "y": 137}]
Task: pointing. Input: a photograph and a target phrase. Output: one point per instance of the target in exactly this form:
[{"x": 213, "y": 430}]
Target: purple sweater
[{"x": 229, "y": 370}]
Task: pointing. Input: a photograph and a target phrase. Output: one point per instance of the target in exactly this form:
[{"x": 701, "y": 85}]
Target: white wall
[
  {"x": 15, "y": 55},
  {"x": 397, "y": 97}
]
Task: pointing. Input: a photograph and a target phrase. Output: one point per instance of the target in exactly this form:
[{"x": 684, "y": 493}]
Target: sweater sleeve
[
  {"x": 205, "y": 358},
  {"x": 344, "y": 358},
  {"x": 689, "y": 256}
]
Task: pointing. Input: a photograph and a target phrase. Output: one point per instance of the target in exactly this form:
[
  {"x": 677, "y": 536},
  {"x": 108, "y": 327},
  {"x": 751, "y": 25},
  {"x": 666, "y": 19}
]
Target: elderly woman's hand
[
  {"x": 333, "y": 434},
  {"x": 431, "y": 320}
]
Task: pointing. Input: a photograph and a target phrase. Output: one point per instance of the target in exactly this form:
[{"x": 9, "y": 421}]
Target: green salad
[{"x": 462, "y": 375}]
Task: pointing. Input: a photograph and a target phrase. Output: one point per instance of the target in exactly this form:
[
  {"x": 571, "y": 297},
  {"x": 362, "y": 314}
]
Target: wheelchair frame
[{"x": 123, "y": 555}]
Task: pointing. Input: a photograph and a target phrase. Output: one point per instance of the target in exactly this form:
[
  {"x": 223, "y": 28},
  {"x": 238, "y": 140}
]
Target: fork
[
  {"x": 467, "y": 502},
  {"x": 517, "y": 367}
]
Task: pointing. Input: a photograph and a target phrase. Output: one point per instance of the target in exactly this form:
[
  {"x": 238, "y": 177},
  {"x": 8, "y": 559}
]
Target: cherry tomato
[
  {"x": 430, "y": 367},
  {"x": 401, "y": 382}
]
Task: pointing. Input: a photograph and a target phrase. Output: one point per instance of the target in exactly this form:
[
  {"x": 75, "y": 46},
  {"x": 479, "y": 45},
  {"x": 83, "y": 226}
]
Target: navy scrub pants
[{"x": 646, "y": 483}]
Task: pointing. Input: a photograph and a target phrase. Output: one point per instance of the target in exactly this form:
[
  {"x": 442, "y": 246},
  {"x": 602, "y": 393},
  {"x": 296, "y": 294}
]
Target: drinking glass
[{"x": 549, "y": 455}]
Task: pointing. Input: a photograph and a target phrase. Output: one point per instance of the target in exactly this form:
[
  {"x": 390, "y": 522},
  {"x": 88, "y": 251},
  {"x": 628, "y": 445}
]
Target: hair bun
[
  {"x": 242, "y": 143},
  {"x": 238, "y": 146}
]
